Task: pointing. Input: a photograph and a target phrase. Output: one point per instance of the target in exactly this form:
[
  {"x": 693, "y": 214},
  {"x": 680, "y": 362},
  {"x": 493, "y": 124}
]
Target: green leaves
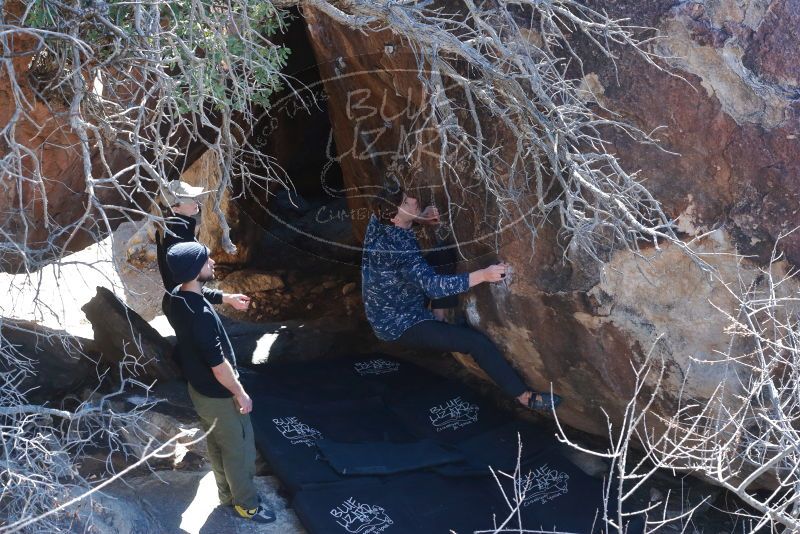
[
  {"x": 240, "y": 65},
  {"x": 215, "y": 53}
]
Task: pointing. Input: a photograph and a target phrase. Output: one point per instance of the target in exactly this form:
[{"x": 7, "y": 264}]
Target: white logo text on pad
[
  {"x": 376, "y": 367},
  {"x": 356, "y": 518},
  {"x": 453, "y": 414},
  {"x": 544, "y": 484},
  {"x": 296, "y": 432}
]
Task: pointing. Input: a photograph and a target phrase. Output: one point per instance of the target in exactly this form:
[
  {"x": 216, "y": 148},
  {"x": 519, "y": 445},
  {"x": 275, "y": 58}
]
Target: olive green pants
[{"x": 231, "y": 448}]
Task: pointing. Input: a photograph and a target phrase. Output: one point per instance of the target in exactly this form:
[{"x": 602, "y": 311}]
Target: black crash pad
[
  {"x": 375, "y": 419},
  {"x": 448, "y": 413},
  {"x": 558, "y": 496},
  {"x": 498, "y": 448},
  {"x": 307, "y": 382},
  {"x": 557, "y": 500},
  {"x": 392, "y": 378},
  {"x": 403, "y": 504},
  {"x": 385, "y": 458},
  {"x": 341, "y": 379},
  {"x": 287, "y": 432}
]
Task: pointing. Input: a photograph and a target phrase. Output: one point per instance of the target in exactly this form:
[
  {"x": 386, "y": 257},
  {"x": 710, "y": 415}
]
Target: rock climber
[{"x": 398, "y": 285}]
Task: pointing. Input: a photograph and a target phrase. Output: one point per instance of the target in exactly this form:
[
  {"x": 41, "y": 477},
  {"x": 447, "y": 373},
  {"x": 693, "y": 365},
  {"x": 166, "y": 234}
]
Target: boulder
[
  {"x": 732, "y": 164},
  {"x": 43, "y": 133},
  {"x": 249, "y": 281},
  {"x": 244, "y": 234},
  {"x": 122, "y": 336},
  {"x": 62, "y": 364}
]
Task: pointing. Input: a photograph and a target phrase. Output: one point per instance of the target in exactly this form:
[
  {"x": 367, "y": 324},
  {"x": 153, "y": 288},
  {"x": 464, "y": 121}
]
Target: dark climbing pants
[
  {"x": 445, "y": 337},
  {"x": 231, "y": 448}
]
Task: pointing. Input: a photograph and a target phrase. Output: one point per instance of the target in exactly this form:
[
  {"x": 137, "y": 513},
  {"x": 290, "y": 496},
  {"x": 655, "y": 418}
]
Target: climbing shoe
[
  {"x": 543, "y": 401},
  {"x": 259, "y": 514}
]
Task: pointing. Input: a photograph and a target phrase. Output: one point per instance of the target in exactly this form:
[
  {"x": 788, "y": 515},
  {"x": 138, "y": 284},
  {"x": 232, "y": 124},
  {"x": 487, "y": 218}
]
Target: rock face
[
  {"x": 43, "y": 131},
  {"x": 205, "y": 172},
  {"x": 122, "y": 336},
  {"x": 62, "y": 363},
  {"x": 736, "y": 129}
]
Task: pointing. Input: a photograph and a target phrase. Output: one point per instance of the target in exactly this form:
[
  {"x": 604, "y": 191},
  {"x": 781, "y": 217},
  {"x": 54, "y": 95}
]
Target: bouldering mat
[
  {"x": 559, "y": 496},
  {"x": 498, "y": 448},
  {"x": 392, "y": 378},
  {"x": 287, "y": 432},
  {"x": 431, "y": 504},
  {"x": 308, "y": 382},
  {"x": 448, "y": 412},
  {"x": 385, "y": 458},
  {"x": 377, "y": 419},
  {"x": 341, "y": 379},
  {"x": 403, "y": 504}
]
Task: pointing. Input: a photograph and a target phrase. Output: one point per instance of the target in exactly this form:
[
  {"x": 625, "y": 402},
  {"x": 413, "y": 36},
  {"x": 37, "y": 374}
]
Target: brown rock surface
[
  {"x": 61, "y": 363},
  {"x": 772, "y": 53},
  {"x": 122, "y": 336},
  {"x": 737, "y": 137},
  {"x": 206, "y": 172},
  {"x": 43, "y": 130},
  {"x": 249, "y": 281}
]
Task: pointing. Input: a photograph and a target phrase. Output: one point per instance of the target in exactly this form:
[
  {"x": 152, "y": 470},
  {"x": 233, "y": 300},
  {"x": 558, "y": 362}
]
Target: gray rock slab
[{"x": 183, "y": 502}]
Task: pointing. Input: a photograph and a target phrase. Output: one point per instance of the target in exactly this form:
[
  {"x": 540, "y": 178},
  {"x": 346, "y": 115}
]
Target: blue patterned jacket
[{"x": 395, "y": 279}]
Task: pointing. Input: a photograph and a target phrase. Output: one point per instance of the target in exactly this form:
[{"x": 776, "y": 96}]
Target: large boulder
[
  {"x": 732, "y": 164},
  {"x": 123, "y": 337},
  {"x": 31, "y": 210},
  {"x": 60, "y": 364},
  {"x": 244, "y": 233}
]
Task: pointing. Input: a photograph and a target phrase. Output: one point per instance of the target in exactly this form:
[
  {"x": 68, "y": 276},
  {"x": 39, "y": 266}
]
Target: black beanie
[{"x": 186, "y": 260}]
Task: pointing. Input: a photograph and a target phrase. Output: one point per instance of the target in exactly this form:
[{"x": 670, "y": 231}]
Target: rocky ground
[
  {"x": 183, "y": 502},
  {"x": 176, "y": 494}
]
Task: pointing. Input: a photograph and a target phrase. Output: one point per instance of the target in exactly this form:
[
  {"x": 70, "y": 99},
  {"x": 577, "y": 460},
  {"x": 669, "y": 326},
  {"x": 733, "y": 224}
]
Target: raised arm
[
  {"x": 492, "y": 273},
  {"x": 434, "y": 285}
]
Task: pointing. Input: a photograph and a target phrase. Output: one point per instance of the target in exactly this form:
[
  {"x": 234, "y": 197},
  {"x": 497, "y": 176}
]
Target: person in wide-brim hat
[{"x": 184, "y": 201}]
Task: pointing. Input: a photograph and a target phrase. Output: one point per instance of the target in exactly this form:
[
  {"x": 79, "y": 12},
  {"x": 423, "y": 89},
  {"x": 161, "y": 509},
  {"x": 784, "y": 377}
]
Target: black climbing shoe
[{"x": 543, "y": 401}]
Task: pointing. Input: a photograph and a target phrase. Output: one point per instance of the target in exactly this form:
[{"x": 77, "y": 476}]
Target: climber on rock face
[
  {"x": 397, "y": 283},
  {"x": 184, "y": 202}
]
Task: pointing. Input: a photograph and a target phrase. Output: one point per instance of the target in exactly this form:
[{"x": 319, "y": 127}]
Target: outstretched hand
[
  {"x": 492, "y": 274},
  {"x": 236, "y": 301},
  {"x": 495, "y": 273}
]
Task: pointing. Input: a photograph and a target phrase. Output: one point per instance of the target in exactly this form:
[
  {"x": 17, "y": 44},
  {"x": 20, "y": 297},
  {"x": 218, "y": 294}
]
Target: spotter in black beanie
[{"x": 186, "y": 260}]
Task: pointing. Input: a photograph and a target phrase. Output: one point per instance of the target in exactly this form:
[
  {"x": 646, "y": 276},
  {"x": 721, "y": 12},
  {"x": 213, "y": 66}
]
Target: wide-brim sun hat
[{"x": 178, "y": 191}]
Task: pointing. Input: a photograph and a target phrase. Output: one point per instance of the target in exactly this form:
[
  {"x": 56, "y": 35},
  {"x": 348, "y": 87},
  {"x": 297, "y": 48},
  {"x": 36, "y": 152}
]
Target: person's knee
[{"x": 479, "y": 343}]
